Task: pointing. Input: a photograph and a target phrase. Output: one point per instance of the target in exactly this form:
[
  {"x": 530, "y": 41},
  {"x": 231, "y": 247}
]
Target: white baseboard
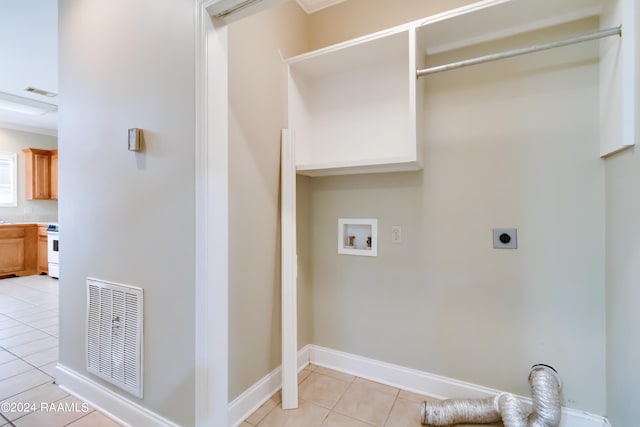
[
  {"x": 120, "y": 409},
  {"x": 129, "y": 413},
  {"x": 386, "y": 373},
  {"x": 428, "y": 384},
  {"x": 397, "y": 376},
  {"x": 245, "y": 404}
]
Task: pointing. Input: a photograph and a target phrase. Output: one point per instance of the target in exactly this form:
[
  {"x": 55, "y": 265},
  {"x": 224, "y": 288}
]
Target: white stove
[{"x": 53, "y": 254}]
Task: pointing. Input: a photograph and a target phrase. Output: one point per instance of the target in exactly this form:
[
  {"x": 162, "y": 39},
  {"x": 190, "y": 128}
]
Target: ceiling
[
  {"x": 29, "y": 52},
  {"x": 311, "y": 6}
]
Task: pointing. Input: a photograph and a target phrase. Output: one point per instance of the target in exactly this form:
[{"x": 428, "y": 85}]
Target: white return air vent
[{"x": 114, "y": 334}]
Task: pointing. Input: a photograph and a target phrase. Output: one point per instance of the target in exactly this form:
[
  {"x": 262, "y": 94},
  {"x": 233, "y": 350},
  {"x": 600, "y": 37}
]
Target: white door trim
[
  {"x": 212, "y": 226},
  {"x": 212, "y": 223}
]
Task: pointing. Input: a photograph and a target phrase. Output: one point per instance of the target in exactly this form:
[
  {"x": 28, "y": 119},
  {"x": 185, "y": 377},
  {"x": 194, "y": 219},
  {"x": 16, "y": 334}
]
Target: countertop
[{"x": 38, "y": 223}]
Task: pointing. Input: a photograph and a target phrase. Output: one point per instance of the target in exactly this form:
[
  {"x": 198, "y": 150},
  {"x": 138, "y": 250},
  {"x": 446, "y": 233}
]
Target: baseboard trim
[
  {"x": 397, "y": 376},
  {"x": 246, "y": 404},
  {"x": 128, "y": 413},
  {"x": 428, "y": 384},
  {"x": 120, "y": 409}
]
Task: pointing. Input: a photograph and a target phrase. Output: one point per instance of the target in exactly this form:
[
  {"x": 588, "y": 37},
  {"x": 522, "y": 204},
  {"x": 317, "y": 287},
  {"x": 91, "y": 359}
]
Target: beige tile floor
[
  {"x": 28, "y": 356},
  {"x": 328, "y": 398}
]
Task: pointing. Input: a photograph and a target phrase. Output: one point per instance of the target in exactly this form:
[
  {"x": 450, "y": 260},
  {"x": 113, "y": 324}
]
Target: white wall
[
  {"x": 29, "y": 30},
  {"x": 511, "y": 145},
  {"x": 623, "y": 287},
  {"x": 515, "y": 144},
  {"x": 129, "y": 217},
  {"x": 14, "y": 141},
  {"x": 257, "y": 113},
  {"x": 623, "y": 278}
]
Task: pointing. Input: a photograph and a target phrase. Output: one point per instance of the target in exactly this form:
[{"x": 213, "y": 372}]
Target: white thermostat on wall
[
  {"x": 135, "y": 139},
  {"x": 358, "y": 236}
]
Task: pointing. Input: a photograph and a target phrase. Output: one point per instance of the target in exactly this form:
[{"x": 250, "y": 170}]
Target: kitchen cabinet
[
  {"x": 356, "y": 107},
  {"x": 41, "y": 174},
  {"x": 43, "y": 249},
  {"x": 37, "y": 174},
  {"x": 54, "y": 174},
  {"x": 18, "y": 249}
]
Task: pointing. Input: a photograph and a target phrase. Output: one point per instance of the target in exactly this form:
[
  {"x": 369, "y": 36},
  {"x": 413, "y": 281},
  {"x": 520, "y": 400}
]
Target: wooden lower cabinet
[
  {"x": 43, "y": 248},
  {"x": 18, "y": 250},
  {"x": 11, "y": 255}
]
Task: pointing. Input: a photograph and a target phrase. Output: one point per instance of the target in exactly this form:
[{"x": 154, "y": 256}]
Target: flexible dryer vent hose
[{"x": 545, "y": 386}]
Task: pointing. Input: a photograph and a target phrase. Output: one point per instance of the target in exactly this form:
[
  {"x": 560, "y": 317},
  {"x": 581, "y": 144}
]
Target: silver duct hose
[
  {"x": 545, "y": 386},
  {"x": 458, "y": 411}
]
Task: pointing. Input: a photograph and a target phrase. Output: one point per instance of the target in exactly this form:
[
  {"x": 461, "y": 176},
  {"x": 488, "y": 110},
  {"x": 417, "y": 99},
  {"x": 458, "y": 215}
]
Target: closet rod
[{"x": 522, "y": 51}]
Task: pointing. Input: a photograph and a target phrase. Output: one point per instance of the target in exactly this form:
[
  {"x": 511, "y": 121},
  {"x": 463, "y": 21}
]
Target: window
[{"x": 8, "y": 179}]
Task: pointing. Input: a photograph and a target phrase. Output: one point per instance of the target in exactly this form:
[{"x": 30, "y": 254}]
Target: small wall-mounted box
[
  {"x": 135, "y": 139},
  {"x": 358, "y": 236},
  {"x": 505, "y": 238}
]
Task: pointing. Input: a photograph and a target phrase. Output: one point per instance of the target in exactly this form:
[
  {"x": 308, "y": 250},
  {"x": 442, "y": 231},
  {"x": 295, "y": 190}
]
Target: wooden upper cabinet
[
  {"x": 54, "y": 174},
  {"x": 39, "y": 174}
]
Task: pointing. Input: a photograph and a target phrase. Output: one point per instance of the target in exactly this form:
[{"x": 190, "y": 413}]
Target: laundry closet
[{"x": 441, "y": 129}]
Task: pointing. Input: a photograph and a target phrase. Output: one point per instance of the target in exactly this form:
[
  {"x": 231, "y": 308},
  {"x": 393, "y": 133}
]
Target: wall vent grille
[{"x": 114, "y": 334}]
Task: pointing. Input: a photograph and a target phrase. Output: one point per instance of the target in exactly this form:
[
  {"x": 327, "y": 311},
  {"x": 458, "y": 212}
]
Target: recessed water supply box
[{"x": 358, "y": 236}]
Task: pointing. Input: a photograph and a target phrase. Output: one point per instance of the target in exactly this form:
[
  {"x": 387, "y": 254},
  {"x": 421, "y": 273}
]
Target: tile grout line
[
  {"x": 6, "y": 419},
  {"x": 57, "y": 400},
  {"x": 332, "y": 409},
  {"x": 27, "y": 389},
  {"x": 76, "y": 420},
  {"x": 350, "y": 383},
  {"x": 26, "y": 342},
  {"x": 41, "y": 313},
  {"x": 29, "y": 325},
  {"x": 386, "y": 420},
  {"x": 28, "y": 363},
  {"x": 21, "y": 299}
]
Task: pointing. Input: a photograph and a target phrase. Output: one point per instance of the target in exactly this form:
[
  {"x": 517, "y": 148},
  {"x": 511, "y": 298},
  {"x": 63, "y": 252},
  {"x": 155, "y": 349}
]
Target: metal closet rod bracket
[{"x": 615, "y": 31}]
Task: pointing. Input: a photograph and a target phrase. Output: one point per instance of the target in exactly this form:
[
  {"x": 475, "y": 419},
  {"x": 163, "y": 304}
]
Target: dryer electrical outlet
[{"x": 505, "y": 238}]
